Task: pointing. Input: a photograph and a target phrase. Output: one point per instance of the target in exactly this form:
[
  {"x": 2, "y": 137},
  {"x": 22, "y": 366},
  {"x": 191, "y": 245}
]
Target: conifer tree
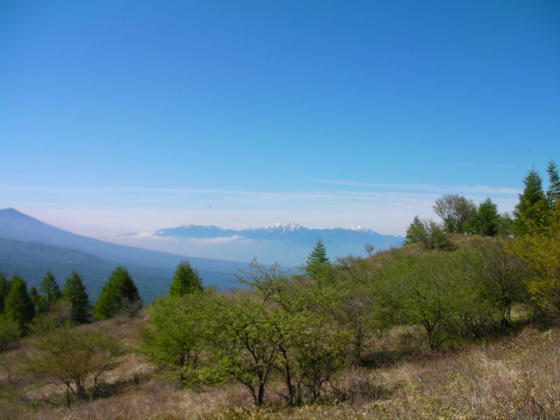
[
  {"x": 75, "y": 293},
  {"x": 553, "y": 191},
  {"x": 118, "y": 293},
  {"x": 486, "y": 221},
  {"x": 4, "y": 290},
  {"x": 416, "y": 232},
  {"x": 49, "y": 290},
  {"x": 532, "y": 204},
  {"x": 18, "y": 305},
  {"x": 39, "y": 304},
  {"x": 317, "y": 262},
  {"x": 185, "y": 281}
]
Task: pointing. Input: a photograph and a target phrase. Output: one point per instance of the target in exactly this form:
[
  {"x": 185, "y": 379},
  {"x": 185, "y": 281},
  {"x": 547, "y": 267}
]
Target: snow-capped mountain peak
[
  {"x": 359, "y": 228},
  {"x": 290, "y": 227}
]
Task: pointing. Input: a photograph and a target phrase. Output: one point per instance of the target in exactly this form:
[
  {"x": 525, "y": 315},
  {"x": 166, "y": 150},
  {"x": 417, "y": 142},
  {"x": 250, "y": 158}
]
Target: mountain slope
[
  {"x": 18, "y": 226},
  {"x": 30, "y": 247}
]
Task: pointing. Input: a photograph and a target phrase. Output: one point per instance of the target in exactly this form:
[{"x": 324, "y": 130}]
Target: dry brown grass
[{"x": 516, "y": 377}]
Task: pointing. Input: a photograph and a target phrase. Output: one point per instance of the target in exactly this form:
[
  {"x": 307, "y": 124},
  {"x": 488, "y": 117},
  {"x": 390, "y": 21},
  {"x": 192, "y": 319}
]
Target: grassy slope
[
  {"x": 515, "y": 377},
  {"x": 511, "y": 377}
]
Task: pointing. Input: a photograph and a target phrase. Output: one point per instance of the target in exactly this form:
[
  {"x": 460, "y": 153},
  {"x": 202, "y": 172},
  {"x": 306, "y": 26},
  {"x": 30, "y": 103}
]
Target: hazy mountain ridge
[
  {"x": 291, "y": 232},
  {"x": 30, "y": 247}
]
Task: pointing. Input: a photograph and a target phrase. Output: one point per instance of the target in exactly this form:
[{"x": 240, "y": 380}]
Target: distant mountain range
[
  {"x": 288, "y": 244},
  {"x": 291, "y": 233},
  {"x": 30, "y": 247}
]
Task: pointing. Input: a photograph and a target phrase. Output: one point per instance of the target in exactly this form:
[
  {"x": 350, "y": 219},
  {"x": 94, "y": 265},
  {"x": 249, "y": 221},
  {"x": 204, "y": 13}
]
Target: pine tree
[
  {"x": 75, "y": 294},
  {"x": 39, "y": 303},
  {"x": 4, "y": 290},
  {"x": 118, "y": 293},
  {"x": 18, "y": 305},
  {"x": 532, "y": 204},
  {"x": 416, "y": 232},
  {"x": 317, "y": 262},
  {"x": 50, "y": 290},
  {"x": 185, "y": 281},
  {"x": 553, "y": 191},
  {"x": 486, "y": 221}
]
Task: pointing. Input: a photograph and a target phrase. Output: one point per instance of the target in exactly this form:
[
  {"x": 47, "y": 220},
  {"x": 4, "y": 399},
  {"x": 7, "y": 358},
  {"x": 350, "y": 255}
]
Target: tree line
[{"x": 462, "y": 216}]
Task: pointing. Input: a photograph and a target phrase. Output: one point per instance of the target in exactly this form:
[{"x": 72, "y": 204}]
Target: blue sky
[{"x": 123, "y": 116}]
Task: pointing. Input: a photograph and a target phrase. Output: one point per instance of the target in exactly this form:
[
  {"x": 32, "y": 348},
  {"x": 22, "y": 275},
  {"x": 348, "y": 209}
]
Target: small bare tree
[{"x": 75, "y": 357}]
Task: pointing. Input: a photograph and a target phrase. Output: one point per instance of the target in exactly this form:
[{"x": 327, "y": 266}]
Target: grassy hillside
[
  {"x": 406, "y": 333},
  {"x": 514, "y": 377}
]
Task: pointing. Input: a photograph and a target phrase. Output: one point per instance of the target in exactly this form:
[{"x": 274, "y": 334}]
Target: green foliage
[
  {"x": 246, "y": 345},
  {"x": 118, "y": 294},
  {"x": 74, "y": 357},
  {"x": 75, "y": 293},
  {"x": 4, "y": 290},
  {"x": 540, "y": 250},
  {"x": 50, "y": 290},
  {"x": 38, "y": 303},
  {"x": 416, "y": 231},
  {"x": 486, "y": 220},
  {"x": 505, "y": 225},
  {"x": 18, "y": 305},
  {"x": 532, "y": 207},
  {"x": 9, "y": 332},
  {"x": 185, "y": 281},
  {"x": 177, "y": 331},
  {"x": 428, "y": 233},
  {"x": 318, "y": 266},
  {"x": 503, "y": 277},
  {"x": 553, "y": 192},
  {"x": 455, "y": 211}
]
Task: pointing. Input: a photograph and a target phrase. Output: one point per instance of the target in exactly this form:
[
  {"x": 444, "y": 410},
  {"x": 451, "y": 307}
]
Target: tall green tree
[
  {"x": 553, "y": 191},
  {"x": 4, "y": 290},
  {"x": 317, "y": 265},
  {"x": 37, "y": 300},
  {"x": 532, "y": 205},
  {"x": 185, "y": 281},
  {"x": 416, "y": 231},
  {"x": 118, "y": 294},
  {"x": 486, "y": 220},
  {"x": 18, "y": 305},
  {"x": 75, "y": 293},
  {"x": 176, "y": 334},
  {"x": 50, "y": 290}
]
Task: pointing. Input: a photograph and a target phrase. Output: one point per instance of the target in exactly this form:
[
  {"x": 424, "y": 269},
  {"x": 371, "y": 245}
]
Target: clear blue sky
[{"x": 141, "y": 115}]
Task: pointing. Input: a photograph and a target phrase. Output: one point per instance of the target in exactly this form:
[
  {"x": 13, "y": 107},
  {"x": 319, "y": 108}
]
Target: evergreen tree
[
  {"x": 553, "y": 191},
  {"x": 4, "y": 290},
  {"x": 185, "y": 281},
  {"x": 317, "y": 262},
  {"x": 39, "y": 303},
  {"x": 486, "y": 221},
  {"x": 118, "y": 293},
  {"x": 75, "y": 294},
  {"x": 49, "y": 290},
  {"x": 505, "y": 225},
  {"x": 532, "y": 204},
  {"x": 18, "y": 305},
  {"x": 416, "y": 232}
]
